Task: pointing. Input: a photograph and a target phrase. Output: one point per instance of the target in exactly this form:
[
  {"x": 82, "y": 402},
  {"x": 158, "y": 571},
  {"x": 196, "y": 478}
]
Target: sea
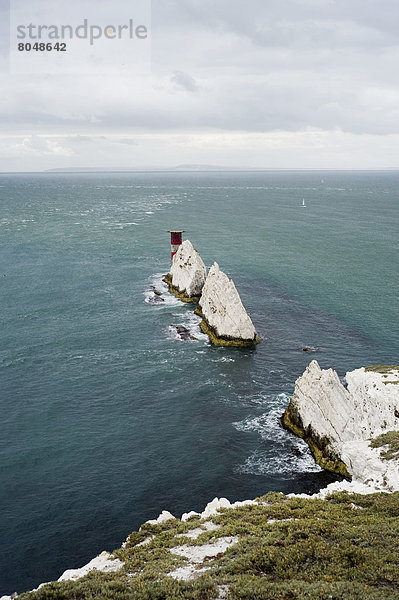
[{"x": 108, "y": 417}]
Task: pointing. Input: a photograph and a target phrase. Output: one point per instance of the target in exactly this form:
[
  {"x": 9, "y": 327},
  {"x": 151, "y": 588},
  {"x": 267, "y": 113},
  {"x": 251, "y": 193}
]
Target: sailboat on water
[{"x": 303, "y": 203}]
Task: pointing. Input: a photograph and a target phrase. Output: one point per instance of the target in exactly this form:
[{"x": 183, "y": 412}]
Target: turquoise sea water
[{"x": 106, "y": 417}]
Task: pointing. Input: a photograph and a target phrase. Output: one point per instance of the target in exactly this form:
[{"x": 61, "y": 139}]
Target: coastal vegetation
[
  {"x": 383, "y": 369},
  {"x": 288, "y": 548},
  {"x": 390, "y": 442}
]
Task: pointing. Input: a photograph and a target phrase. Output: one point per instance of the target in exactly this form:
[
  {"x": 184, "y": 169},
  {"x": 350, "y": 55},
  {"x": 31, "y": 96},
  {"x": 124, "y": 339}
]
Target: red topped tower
[{"x": 175, "y": 241}]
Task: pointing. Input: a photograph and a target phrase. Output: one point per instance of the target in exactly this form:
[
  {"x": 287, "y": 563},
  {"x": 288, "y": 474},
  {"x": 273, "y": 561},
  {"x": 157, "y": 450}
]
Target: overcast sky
[{"x": 256, "y": 83}]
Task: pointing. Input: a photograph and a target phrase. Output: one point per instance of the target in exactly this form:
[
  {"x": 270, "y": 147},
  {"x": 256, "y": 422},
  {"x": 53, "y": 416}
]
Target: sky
[{"x": 287, "y": 84}]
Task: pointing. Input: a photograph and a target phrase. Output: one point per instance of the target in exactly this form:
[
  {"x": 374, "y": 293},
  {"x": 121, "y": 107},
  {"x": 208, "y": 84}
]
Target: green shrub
[
  {"x": 390, "y": 439},
  {"x": 341, "y": 548}
]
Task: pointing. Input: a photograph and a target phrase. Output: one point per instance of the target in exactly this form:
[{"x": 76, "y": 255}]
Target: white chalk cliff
[
  {"x": 340, "y": 421},
  {"x": 188, "y": 272},
  {"x": 222, "y": 308}
]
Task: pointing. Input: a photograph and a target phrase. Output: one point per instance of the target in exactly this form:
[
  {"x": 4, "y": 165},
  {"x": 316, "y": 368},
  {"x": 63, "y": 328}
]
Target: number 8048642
[{"x": 42, "y": 47}]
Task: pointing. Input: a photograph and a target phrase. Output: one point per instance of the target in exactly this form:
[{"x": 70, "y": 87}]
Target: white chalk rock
[
  {"x": 241, "y": 503},
  {"x": 212, "y": 507},
  {"x": 188, "y": 271},
  {"x": 349, "y": 417},
  {"x": 103, "y": 562},
  {"x": 222, "y": 308},
  {"x": 186, "y": 516},
  {"x": 164, "y": 516}
]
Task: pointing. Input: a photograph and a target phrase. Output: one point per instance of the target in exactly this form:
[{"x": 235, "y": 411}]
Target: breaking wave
[
  {"x": 284, "y": 454},
  {"x": 156, "y": 284}
]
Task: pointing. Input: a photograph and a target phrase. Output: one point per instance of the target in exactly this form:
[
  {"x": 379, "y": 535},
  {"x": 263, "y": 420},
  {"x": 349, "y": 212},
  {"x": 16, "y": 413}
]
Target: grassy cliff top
[
  {"x": 383, "y": 369},
  {"x": 341, "y": 548}
]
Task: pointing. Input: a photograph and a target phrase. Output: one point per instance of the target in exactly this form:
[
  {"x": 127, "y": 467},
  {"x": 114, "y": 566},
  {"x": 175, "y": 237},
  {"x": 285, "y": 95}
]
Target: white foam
[
  {"x": 192, "y": 321},
  {"x": 266, "y": 463},
  {"x": 156, "y": 281},
  {"x": 173, "y": 334},
  {"x": 277, "y": 458},
  {"x": 184, "y": 317},
  {"x": 223, "y": 359},
  {"x": 121, "y": 225}
]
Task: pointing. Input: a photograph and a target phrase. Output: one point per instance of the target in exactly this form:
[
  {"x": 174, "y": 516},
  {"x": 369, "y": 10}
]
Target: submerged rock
[
  {"x": 183, "y": 333},
  {"x": 339, "y": 422},
  {"x": 224, "y": 317},
  {"x": 156, "y": 296},
  {"x": 187, "y": 274}
]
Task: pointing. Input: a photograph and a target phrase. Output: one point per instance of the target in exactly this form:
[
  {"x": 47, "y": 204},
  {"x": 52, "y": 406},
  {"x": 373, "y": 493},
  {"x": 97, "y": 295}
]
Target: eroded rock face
[
  {"x": 221, "y": 306},
  {"x": 188, "y": 273},
  {"x": 338, "y": 422}
]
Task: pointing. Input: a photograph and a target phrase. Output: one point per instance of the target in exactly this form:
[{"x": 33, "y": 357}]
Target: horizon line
[{"x": 205, "y": 169}]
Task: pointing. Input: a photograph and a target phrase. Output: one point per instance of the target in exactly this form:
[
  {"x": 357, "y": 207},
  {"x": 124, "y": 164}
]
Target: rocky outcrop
[
  {"x": 224, "y": 317},
  {"x": 182, "y": 332},
  {"x": 155, "y": 297},
  {"x": 187, "y": 274},
  {"x": 339, "y": 422}
]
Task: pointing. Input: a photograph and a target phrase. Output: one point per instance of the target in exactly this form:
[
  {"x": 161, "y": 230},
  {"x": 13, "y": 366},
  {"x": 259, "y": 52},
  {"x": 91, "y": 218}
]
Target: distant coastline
[{"x": 199, "y": 169}]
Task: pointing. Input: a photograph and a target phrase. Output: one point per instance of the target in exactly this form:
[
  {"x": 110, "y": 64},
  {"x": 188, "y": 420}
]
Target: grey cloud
[{"x": 184, "y": 81}]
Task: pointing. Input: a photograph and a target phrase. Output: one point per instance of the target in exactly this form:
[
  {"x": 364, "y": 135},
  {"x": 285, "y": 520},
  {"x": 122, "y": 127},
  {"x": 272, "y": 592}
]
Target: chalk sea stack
[
  {"x": 352, "y": 429},
  {"x": 224, "y": 317},
  {"x": 187, "y": 275}
]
